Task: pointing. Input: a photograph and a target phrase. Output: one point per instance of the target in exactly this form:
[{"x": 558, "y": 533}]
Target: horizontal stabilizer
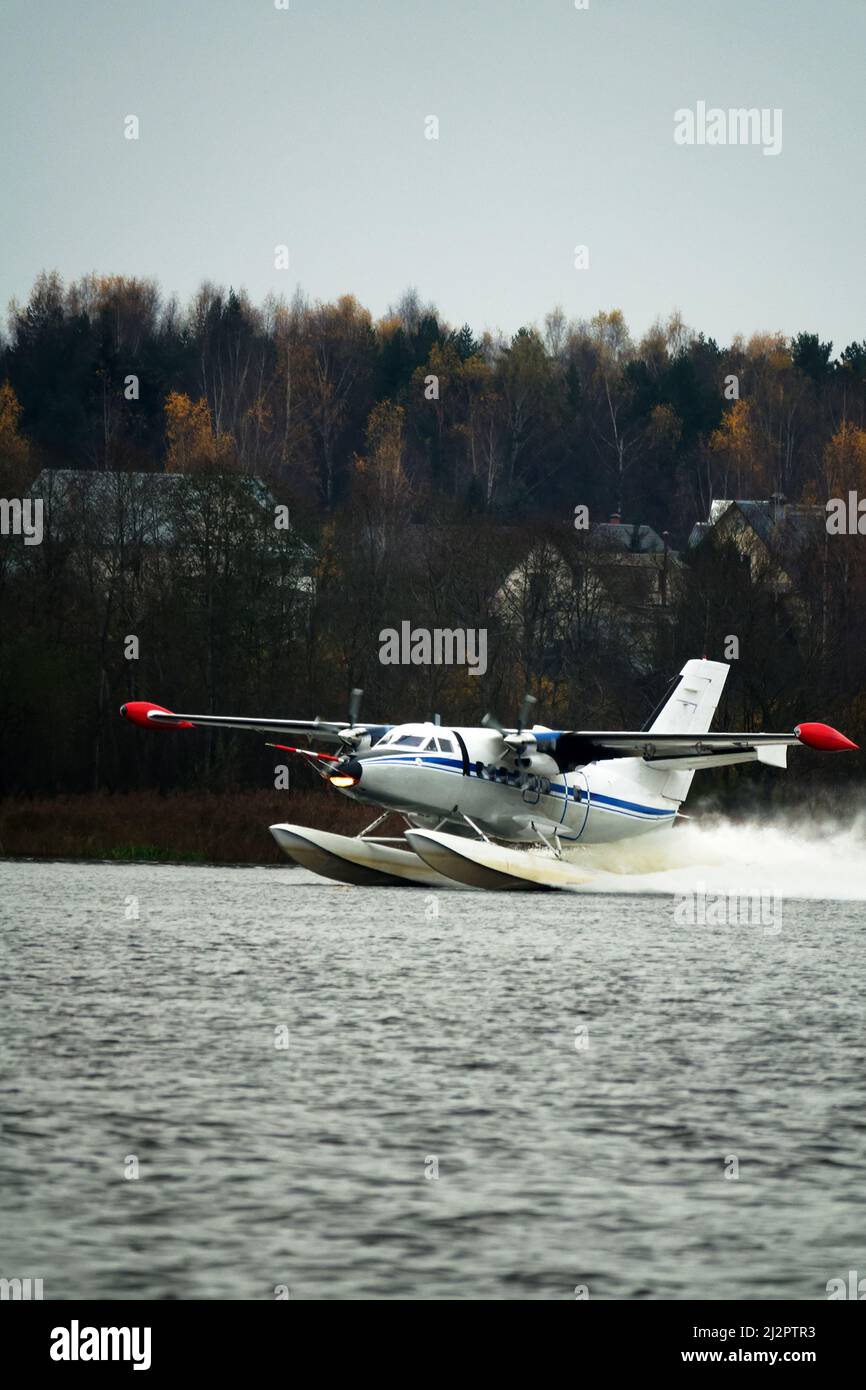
[{"x": 773, "y": 754}]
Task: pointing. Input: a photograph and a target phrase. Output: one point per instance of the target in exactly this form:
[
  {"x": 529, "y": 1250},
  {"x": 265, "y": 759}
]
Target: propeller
[
  {"x": 351, "y": 736},
  {"x": 514, "y": 741}
]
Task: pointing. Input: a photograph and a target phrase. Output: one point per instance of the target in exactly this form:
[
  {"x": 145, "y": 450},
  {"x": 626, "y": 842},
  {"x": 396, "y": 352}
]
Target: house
[
  {"x": 612, "y": 583},
  {"x": 132, "y": 518},
  {"x": 769, "y": 534}
]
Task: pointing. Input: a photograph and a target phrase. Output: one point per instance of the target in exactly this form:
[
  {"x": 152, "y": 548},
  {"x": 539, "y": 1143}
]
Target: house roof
[
  {"x": 759, "y": 514},
  {"x": 105, "y": 482},
  {"x": 624, "y": 535},
  {"x": 783, "y": 528}
]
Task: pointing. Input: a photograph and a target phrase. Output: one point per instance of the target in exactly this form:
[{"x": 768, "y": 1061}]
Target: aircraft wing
[
  {"x": 150, "y": 716},
  {"x": 686, "y": 750}
]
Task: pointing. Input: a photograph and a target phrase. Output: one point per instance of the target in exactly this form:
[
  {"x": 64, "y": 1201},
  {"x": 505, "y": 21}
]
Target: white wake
[{"x": 794, "y": 857}]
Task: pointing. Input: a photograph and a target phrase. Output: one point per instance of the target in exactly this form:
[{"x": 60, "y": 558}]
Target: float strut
[
  {"x": 474, "y": 827},
  {"x": 556, "y": 848},
  {"x": 372, "y": 826}
]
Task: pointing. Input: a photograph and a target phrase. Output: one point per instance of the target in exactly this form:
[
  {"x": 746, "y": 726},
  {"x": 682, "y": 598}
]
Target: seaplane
[{"x": 498, "y": 808}]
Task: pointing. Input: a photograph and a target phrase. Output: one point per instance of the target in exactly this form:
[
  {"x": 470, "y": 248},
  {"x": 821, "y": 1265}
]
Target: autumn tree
[
  {"x": 844, "y": 461},
  {"x": 15, "y": 451},
  {"x": 192, "y": 444},
  {"x": 736, "y": 448},
  {"x": 379, "y": 475},
  {"x": 334, "y": 366}
]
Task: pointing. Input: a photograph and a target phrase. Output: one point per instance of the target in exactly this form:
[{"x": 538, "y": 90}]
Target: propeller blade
[
  {"x": 491, "y": 722},
  {"x": 354, "y": 705},
  {"x": 525, "y": 711}
]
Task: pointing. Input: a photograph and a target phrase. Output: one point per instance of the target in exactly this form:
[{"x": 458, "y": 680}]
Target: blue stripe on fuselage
[
  {"x": 615, "y": 804},
  {"x": 455, "y": 765}
]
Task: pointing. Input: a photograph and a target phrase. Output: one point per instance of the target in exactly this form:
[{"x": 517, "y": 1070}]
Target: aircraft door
[{"x": 580, "y": 795}]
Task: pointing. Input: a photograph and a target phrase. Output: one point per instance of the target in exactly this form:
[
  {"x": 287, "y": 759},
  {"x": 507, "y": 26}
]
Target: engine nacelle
[
  {"x": 538, "y": 765},
  {"x": 357, "y": 737}
]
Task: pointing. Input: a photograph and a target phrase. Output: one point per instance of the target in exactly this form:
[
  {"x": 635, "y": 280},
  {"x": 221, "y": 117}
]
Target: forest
[{"x": 318, "y": 475}]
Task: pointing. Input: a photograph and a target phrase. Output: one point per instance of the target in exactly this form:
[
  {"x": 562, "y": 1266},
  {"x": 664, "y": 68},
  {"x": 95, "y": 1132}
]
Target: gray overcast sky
[{"x": 260, "y": 126}]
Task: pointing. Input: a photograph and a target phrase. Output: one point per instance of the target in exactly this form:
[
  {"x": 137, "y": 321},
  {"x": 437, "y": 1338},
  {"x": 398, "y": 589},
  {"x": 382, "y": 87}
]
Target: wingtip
[
  {"x": 825, "y": 738},
  {"x": 140, "y": 711}
]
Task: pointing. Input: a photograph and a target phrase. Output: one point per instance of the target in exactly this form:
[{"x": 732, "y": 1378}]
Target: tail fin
[
  {"x": 688, "y": 708},
  {"x": 691, "y": 704}
]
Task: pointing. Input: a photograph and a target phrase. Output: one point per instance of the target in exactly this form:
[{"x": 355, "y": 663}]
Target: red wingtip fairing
[
  {"x": 823, "y": 737},
  {"x": 136, "y": 712}
]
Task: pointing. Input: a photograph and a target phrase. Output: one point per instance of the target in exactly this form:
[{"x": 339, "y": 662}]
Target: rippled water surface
[{"x": 423, "y": 1029}]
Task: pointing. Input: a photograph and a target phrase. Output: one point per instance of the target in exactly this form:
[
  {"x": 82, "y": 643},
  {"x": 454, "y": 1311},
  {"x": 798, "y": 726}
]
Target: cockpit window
[
  {"x": 446, "y": 745},
  {"x": 409, "y": 740}
]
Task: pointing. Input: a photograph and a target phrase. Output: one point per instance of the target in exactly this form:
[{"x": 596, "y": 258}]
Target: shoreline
[
  {"x": 286, "y": 863},
  {"x": 182, "y": 828}
]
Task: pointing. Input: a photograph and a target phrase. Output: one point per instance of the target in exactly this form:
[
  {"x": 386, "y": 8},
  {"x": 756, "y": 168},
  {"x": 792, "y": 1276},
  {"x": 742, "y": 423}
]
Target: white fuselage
[{"x": 431, "y": 782}]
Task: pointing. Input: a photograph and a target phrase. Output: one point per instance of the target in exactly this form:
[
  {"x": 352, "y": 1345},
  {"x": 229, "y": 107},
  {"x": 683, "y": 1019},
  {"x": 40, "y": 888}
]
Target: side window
[{"x": 446, "y": 745}]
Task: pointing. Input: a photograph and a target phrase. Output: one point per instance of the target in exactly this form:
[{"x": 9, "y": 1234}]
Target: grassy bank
[{"x": 195, "y": 827}]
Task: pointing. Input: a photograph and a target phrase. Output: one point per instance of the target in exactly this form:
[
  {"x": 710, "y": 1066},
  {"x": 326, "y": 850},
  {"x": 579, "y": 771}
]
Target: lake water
[{"x": 287, "y": 1065}]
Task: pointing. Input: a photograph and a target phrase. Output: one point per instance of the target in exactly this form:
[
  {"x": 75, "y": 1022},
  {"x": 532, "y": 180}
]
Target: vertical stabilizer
[{"x": 688, "y": 709}]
